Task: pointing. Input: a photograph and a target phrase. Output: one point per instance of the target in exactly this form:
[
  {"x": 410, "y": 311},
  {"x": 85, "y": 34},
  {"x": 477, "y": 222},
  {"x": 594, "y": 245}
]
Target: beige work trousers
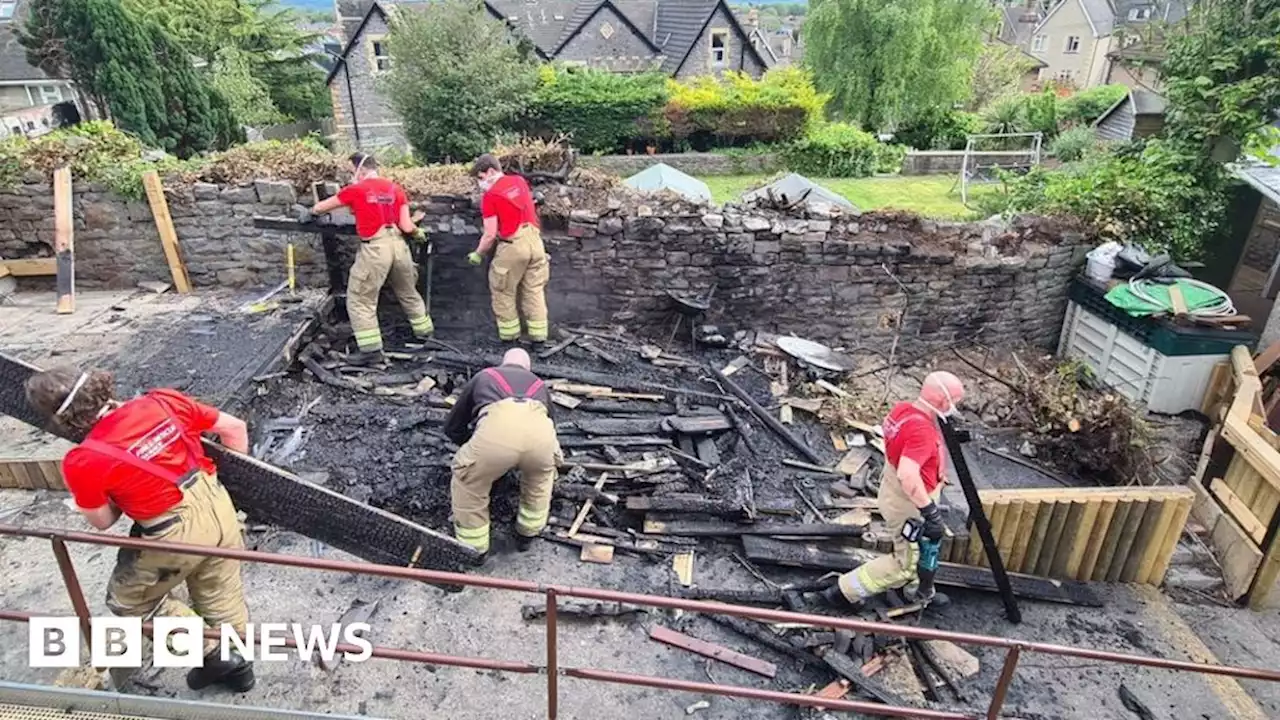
[
  {"x": 897, "y": 569},
  {"x": 511, "y": 434},
  {"x": 383, "y": 257},
  {"x": 518, "y": 275},
  {"x": 143, "y": 579}
]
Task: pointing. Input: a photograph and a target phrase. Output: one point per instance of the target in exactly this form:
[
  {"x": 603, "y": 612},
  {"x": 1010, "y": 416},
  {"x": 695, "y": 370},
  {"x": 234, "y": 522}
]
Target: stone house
[
  {"x": 31, "y": 101},
  {"x": 1082, "y": 42},
  {"x": 681, "y": 38}
]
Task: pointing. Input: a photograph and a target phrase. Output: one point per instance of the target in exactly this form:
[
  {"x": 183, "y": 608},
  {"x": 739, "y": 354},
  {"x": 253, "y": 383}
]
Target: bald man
[
  {"x": 510, "y": 410},
  {"x": 914, "y": 472}
]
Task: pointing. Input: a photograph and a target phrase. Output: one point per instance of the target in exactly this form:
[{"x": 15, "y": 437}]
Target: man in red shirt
[
  {"x": 914, "y": 472},
  {"x": 143, "y": 458},
  {"x": 520, "y": 269},
  {"x": 381, "y": 210}
]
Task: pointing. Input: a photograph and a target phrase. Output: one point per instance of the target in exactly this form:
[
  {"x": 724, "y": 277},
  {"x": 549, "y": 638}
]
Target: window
[
  {"x": 719, "y": 46},
  {"x": 1073, "y": 44},
  {"x": 48, "y": 94},
  {"x": 1038, "y": 43},
  {"x": 1064, "y": 77},
  {"x": 379, "y": 58},
  {"x": 7, "y": 8},
  {"x": 1139, "y": 14}
]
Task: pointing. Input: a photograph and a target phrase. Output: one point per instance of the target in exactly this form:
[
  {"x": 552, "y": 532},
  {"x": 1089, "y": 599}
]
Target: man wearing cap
[
  {"x": 510, "y": 408},
  {"x": 520, "y": 271},
  {"x": 381, "y": 210},
  {"x": 914, "y": 472}
]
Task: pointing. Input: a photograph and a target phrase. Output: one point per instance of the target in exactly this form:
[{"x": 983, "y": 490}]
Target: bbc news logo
[{"x": 116, "y": 642}]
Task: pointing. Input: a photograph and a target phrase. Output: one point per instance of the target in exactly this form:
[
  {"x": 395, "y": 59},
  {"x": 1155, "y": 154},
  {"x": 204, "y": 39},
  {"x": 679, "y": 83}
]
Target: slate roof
[
  {"x": 1107, "y": 15},
  {"x": 670, "y": 26},
  {"x": 13, "y": 57},
  {"x": 680, "y": 23}
]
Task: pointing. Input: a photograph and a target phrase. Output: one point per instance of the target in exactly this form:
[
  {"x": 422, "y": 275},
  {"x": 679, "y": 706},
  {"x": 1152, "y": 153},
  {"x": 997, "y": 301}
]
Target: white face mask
[
  {"x": 951, "y": 410},
  {"x": 488, "y": 181}
]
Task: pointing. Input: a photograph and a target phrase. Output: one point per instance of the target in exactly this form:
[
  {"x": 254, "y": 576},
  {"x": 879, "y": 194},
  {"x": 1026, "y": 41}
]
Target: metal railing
[{"x": 1013, "y": 648}]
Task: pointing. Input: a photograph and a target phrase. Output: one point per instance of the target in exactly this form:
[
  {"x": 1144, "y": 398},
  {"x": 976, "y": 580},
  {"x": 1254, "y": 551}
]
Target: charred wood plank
[
  {"x": 626, "y": 407},
  {"x": 619, "y": 427},
  {"x": 686, "y": 504},
  {"x": 766, "y": 637},
  {"x": 473, "y": 363},
  {"x": 727, "y": 529},
  {"x": 620, "y": 441},
  {"x": 707, "y": 451},
  {"x": 851, "y": 671},
  {"x": 699, "y": 424},
  {"x": 975, "y": 578},
  {"x": 768, "y": 419},
  {"x": 582, "y": 493},
  {"x": 582, "y": 608}
]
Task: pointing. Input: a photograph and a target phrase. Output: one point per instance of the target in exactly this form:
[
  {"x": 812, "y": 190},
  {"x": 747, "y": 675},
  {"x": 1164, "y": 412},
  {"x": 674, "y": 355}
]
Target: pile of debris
[{"x": 676, "y": 458}]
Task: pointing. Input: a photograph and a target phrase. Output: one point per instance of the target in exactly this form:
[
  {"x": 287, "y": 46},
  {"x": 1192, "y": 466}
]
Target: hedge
[
  {"x": 842, "y": 150},
  {"x": 606, "y": 112}
]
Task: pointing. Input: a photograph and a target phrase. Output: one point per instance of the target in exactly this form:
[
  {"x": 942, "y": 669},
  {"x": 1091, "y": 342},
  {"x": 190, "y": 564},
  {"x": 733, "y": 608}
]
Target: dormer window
[
  {"x": 7, "y": 9},
  {"x": 1139, "y": 14}
]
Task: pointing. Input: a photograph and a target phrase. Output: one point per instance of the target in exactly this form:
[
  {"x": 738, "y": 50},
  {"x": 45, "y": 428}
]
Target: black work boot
[
  {"x": 366, "y": 358},
  {"x": 234, "y": 673},
  {"x": 523, "y": 542},
  {"x": 831, "y": 597}
]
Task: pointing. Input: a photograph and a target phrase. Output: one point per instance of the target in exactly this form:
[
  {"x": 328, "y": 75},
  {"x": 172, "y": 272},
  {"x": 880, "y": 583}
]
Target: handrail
[{"x": 1014, "y": 648}]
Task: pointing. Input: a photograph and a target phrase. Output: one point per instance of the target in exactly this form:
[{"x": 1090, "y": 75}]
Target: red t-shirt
[
  {"x": 511, "y": 201},
  {"x": 375, "y": 202},
  {"x": 140, "y": 427},
  {"x": 911, "y": 432}
]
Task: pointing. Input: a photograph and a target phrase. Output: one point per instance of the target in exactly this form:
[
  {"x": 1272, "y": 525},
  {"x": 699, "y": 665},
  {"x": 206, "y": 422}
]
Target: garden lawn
[{"x": 930, "y": 195}]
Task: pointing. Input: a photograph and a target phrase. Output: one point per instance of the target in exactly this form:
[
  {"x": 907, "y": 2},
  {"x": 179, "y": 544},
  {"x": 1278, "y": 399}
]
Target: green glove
[{"x": 475, "y": 258}]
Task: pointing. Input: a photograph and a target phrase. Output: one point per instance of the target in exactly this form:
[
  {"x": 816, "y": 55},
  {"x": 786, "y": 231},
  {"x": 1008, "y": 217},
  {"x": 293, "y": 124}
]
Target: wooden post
[
  {"x": 168, "y": 236},
  {"x": 1007, "y": 533},
  {"x": 1022, "y": 535},
  {"x": 1081, "y": 537},
  {"x": 1101, "y": 526},
  {"x": 1038, "y": 532},
  {"x": 1137, "y": 511},
  {"x": 1265, "y": 580},
  {"x": 64, "y": 241},
  {"x": 1052, "y": 538},
  {"x": 1170, "y": 543},
  {"x": 1107, "y": 553},
  {"x": 1148, "y": 531},
  {"x": 999, "y": 513}
]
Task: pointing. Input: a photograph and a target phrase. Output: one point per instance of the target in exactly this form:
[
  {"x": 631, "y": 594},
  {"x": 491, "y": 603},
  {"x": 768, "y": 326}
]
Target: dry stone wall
[{"x": 853, "y": 279}]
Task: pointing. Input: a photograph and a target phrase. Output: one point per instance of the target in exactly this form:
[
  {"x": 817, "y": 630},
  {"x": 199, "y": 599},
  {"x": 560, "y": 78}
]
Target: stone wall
[
  {"x": 845, "y": 279},
  {"x": 946, "y": 162},
  {"x": 693, "y": 163},
  {"x": 841, "y": 279},
  {"x": 117, "y": 244}
]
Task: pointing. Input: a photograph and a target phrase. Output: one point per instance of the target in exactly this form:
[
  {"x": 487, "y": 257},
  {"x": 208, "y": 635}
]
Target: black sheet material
[{"x": 271, "y": 495}]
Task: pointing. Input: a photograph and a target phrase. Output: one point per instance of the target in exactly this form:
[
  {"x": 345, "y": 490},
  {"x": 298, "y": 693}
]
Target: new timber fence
[
  {"x": 1238, "y": 482},
  {"x": 58, "y": 540}
]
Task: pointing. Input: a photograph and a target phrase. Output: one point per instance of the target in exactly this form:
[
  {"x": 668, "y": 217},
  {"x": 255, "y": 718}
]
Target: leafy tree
[
  {"x": 132, "y": 71},
  {"x": 267, "y": 38},
  {"x": 1222, "y": 75},
  {"x": 457, "y": 78},
  {"x": 998, "y": 71},
  {"x": 234, "y": 78},
  {"x": 887, "y": 61}
]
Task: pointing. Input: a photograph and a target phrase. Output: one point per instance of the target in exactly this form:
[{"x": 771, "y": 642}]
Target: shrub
[
  {"x": 600, "y": 111},
  {"x": 1072, "y": 143},
  {"x": 834, "y": 150},
  {"x": 889, "y": 158},
  {"x": 736, "y": 110},
  {"x": 1156, "y": 197},
  {"x": 940, "y": 130},
  {"x": 1086, "y": 106}
]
